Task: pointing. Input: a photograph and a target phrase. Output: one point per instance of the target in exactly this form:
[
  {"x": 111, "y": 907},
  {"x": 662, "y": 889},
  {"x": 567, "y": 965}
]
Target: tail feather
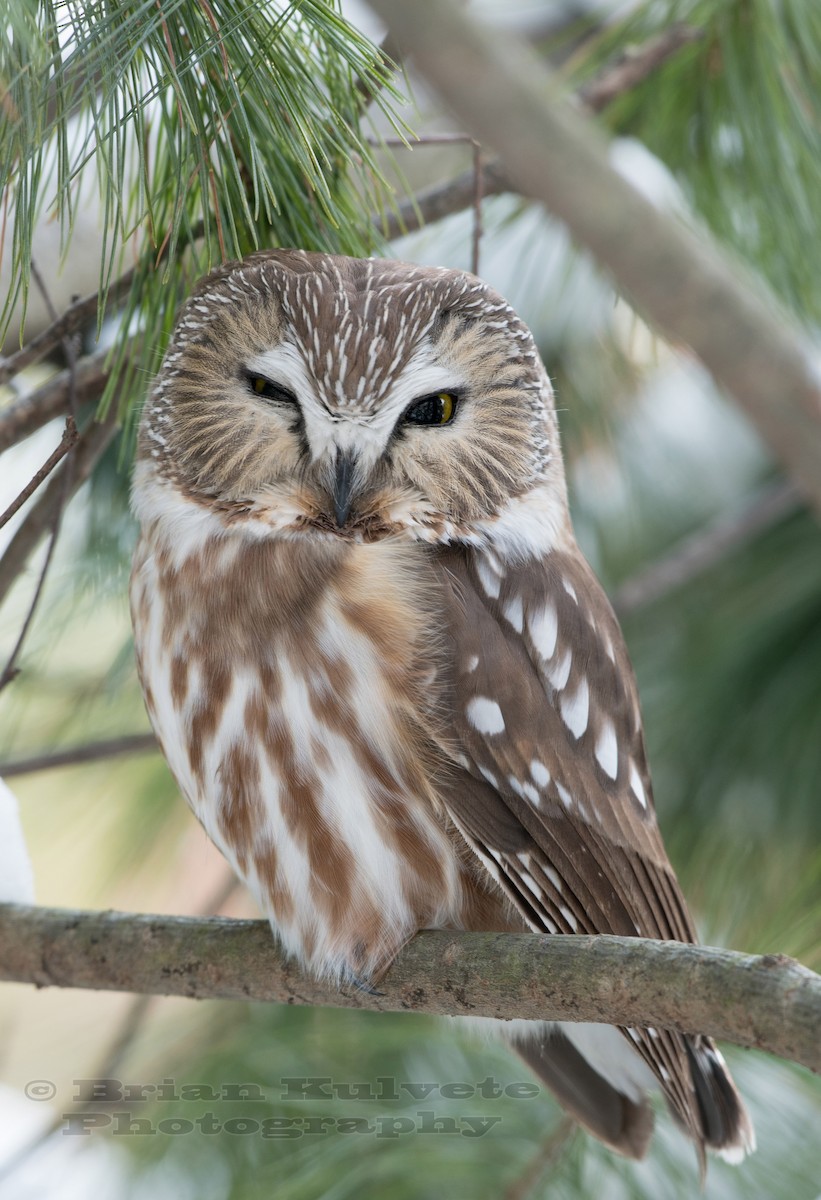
[
  {"x": 727, "y": 1127},
  {"x": 624, "y": 1124},
  {"x": 596, "y": 1074}
]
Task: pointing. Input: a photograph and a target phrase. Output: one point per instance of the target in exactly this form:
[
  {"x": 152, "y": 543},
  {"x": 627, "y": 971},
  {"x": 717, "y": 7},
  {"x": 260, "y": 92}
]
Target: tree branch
[
  {"x": 76, "y": 316},
  {"x": 134, "y": 743},
  {"x": 28, "y": 414},
  {"x": 627, "y": 72},
  {"x": 40, "y": 517},
  {"x": 769, "y": 1002},
  {"x": 683, "y": 282},
  {"x": 707, "y": 547}
]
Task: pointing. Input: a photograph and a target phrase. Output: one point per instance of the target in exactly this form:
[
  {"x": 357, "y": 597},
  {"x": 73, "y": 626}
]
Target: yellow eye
[
  {"x": 269, "y": 390},
  {"x": 432, "y": 410}
]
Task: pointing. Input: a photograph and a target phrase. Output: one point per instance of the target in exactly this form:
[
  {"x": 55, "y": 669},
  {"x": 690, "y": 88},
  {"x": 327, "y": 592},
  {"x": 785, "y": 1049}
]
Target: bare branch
[
  {"x": 682, "y": 282},
  {"x": 634, "y": 66},
  {"x": 88, "y": 451},
  {"x": 75, "y": 318},
  {"x": 68, "y": 439},
  {"x": 28, "y": 414},
  {"x": 444, "y": 199},
  {"x": 136, "y": 743},
  {"x": 707, "y": 547},
  {"x": 769, "y": 1002}
]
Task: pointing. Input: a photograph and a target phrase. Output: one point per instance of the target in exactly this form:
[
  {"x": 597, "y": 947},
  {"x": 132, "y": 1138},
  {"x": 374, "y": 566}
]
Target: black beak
[{"x": 343, "y": 485}]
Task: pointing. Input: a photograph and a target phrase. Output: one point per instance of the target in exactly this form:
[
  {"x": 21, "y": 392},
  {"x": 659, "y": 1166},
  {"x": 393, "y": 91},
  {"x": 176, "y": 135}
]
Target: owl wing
[{"x": 553, "y": 793}]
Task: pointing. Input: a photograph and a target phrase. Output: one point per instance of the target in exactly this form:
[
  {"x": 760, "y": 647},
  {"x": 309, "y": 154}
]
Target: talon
[{"x": 362, "y": 985}]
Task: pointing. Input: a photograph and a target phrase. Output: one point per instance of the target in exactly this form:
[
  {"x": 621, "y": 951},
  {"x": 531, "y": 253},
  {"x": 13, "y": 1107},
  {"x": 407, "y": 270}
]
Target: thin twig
[
  {"x": 476, "y": 242},
  {"x": 68, "y": 440},
  {"x": 634, "y": 66},
  {"x": 76, "y": 316},
  {"x": 136, "y": 743},
  {"x": 769, "y": 1001},
  {"x": 548, "y": 1154},
  {"x": 68, "y": 445},
  {"x": 35, "y": 409},
  {"x": 40, "y": 517},
  {"x": 707, "y": 547}
]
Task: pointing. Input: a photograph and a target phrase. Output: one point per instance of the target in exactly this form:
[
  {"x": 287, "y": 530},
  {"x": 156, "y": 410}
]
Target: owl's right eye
[{"x": 268, "y": 390}]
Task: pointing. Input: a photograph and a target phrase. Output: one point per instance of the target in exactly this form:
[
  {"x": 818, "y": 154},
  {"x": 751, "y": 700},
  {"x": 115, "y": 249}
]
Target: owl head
[{"x": 305, "y": 393}]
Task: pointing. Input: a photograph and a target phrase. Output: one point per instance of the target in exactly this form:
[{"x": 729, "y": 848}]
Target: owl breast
[{"x": 293, "y": 688}]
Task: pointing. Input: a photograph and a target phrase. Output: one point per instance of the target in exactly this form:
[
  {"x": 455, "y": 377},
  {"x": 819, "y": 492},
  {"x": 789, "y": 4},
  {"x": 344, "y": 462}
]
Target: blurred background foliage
[{"x": 163, "y": 148}]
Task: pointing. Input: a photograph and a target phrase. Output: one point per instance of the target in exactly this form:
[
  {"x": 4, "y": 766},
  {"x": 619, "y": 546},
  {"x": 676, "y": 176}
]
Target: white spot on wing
[
  {"x": 544, "y": 629},
  {"x": 560, "y": 674},
  {"x": 564, "y": 795},
  {"x": 607, "y": 749},
  {"x": 575, "y": 709},
  {"x": 637, "y": 786},
  {"x": 485, "y": 715},
  {"x": 571, "y": 591},
  {"x": 472, "y": 663},
  {"x": 539, "y": 773},
  {"x": 488, "y": 578},
  {"x": 514, "y": 613},
  {"x": 531, "y": 794}
]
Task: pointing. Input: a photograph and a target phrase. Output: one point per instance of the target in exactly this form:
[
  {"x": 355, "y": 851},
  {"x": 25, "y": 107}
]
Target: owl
[{"x": 379, "y": 667}]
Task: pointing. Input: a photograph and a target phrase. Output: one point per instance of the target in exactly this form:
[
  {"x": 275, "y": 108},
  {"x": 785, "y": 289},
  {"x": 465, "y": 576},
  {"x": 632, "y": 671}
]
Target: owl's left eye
[
  {"x": 437, "y": 409},
  {"x": 268, "y": 390}
]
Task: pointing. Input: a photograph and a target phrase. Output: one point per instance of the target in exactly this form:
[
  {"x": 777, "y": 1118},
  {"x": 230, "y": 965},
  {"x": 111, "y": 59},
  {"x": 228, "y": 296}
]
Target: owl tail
[
  {"x": 624, "y": 1124},
  {"x": 727, "y": 1127}
]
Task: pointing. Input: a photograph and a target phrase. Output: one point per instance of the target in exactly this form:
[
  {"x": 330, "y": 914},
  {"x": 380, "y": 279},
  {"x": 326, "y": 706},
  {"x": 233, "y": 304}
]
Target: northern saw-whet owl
[{"x": 382, "y": 673}]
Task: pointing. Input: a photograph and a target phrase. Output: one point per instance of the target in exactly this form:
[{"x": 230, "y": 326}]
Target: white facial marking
[
  {"x": 607, "y": 749},
  {"x": 485, "y": 715},
  {"x": 575, "y": 709},
  {"x": 544, "y": 630},
  {"x": 539, "y": 773},
  {"x": 637, "y": 786}
]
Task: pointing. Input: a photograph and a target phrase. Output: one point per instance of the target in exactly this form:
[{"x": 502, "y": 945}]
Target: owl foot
[{"x": 362, "y": 985}]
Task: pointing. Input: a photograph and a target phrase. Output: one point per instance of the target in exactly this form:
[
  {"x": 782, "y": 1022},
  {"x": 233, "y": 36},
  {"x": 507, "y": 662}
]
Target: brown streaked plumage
[{"x": 385, "y": 678}]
